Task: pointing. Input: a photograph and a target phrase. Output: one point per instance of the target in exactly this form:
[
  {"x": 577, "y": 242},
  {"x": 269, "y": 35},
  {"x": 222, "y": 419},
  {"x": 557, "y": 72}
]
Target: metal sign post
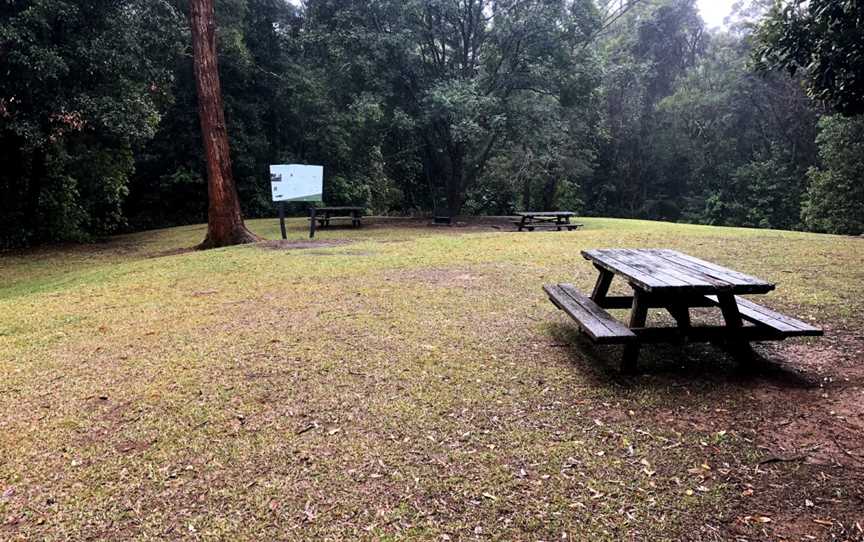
[{"x": 282, "y": 219}]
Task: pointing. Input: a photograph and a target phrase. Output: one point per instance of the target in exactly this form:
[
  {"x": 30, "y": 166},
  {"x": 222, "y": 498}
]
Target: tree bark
[
  {"x": 38, "y": 172},
  {"x": 549, "y": 189},
  {"x": 224, "y": 220}
]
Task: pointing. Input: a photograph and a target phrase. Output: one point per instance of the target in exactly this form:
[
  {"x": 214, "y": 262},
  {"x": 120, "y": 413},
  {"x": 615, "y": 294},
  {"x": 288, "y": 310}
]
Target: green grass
[{"x": 413, "y": 383}]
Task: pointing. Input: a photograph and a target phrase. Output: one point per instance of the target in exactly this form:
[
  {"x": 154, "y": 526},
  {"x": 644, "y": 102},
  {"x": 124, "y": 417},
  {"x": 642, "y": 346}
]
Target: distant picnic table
[
  {"x": 531, "y": 220},
  {"x": 676, "y": 282},
  {"x": 320, "y": 217}
]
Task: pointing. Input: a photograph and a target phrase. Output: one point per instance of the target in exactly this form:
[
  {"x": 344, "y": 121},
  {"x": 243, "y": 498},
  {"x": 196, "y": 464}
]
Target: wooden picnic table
[
  {"x": 320, "y": 217},
  {"x": 531, "y": 220},
  {"x": 676, "y": 282}
]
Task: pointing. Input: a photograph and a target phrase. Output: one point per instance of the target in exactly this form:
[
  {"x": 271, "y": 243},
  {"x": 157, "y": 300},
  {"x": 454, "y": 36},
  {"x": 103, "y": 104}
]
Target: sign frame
[{"x": 295, "y": 183}]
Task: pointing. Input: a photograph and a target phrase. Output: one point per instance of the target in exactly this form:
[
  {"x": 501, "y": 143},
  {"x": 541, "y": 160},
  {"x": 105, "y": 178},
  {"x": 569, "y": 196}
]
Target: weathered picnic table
[
  {"x": 531, "y": 220},
  {"x": 320, "y": 217},
  {"x": 676, "y": 282}
]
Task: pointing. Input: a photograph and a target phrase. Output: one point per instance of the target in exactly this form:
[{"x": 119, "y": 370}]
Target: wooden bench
[
  {"x": 782, "y": 325},
  {"x": 598, "y": 324}
]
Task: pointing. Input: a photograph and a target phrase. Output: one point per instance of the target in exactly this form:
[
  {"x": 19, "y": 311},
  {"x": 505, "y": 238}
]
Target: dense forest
[{"x": 611, "y": 108}]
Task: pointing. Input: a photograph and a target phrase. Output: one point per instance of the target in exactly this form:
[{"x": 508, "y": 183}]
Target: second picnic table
[
  {"x": 531, "y": 220},
  {"x": 676, "y": 282},
  {"x": 320, "y": 217}
]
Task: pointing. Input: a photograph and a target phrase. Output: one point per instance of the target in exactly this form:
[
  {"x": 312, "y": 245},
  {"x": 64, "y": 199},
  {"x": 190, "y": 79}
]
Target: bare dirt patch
[
  {"x": 461, "y": 225},
  {"x": 441, "y": 277},
  {"x": 282, "y": 244},
  {"x": 171, "y": 252},
  {"x": 342, "y": 253}
]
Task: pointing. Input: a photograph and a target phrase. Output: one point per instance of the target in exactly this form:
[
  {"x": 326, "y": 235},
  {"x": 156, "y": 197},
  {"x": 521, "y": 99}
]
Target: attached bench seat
[
  {"x": 598, "y": 324},
  {"x": 779, "y": 323},
  {"x": 531, "y": 226}
]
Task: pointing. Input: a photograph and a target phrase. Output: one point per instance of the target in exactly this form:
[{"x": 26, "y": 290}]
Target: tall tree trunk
[
  {"x": 33, "y": 211},
  {"x": 224, "y": 222},
  {"x": 455, "y": 187},
  {"x": 550, "y": 187}
]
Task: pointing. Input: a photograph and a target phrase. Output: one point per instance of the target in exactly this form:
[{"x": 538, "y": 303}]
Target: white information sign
[{"x": 297, "y": 182}]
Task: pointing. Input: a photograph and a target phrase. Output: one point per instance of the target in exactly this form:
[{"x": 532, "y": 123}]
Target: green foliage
[
  {"x": 473, "y": 106},
  {"x": 771, "y": 191},
  {"x": 823, "y": 39},
  {"x": 83, "y": 82},
  {"x": 652, "y": 46},
  {"x": 457, "y": 81},
  {"x": 835, "y": 196},
  {"x": 739, "y": 144}
]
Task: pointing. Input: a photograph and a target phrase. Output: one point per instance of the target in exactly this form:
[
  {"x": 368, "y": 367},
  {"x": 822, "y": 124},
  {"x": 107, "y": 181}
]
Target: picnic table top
[
  {"x": 340, "y": 208},
  {"x": 665, "y": 270},
  {"x": 546, "y": 213}
]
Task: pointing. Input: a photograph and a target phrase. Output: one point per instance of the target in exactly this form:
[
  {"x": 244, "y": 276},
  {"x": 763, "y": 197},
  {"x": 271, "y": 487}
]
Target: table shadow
[{"x": 660, "y": 363}]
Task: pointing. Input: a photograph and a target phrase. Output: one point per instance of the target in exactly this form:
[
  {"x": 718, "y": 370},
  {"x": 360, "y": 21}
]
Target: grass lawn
[{"x": 408, "y": 382}]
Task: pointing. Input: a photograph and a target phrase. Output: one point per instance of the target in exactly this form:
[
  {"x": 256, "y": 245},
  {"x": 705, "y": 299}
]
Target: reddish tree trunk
[{"x": 224, "y": 221}]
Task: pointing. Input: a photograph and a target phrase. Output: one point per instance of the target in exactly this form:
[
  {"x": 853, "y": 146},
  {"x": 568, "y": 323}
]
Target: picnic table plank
[
  {"x": 546, "y": 213},
  {"x": 653, "y": 269},
  {"x": 636, "y": 273},
  {"x": 690, "y": 276},
  {"x": 781, "y": 323},
  {"x": 647, "y": 265},
  {"x": 592, "y": 319},
  {"x": 736, "y": 278}
]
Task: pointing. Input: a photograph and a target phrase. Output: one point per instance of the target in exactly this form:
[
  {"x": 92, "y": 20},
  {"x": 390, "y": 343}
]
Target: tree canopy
[
  {"x": 824, "y": 39},
  {"x": 628, "y": 108}
]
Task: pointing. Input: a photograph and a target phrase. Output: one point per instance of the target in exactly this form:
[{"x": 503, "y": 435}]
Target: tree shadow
[{"x": 665, "y": 364}]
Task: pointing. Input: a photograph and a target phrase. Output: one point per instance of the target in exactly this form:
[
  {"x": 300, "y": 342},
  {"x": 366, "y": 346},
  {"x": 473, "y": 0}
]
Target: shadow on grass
[{"x": 665, "y": 364}]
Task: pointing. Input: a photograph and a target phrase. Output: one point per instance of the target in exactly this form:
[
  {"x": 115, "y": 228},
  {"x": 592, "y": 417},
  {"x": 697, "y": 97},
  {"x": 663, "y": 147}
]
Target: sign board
[{"x": 296, "y": 182}]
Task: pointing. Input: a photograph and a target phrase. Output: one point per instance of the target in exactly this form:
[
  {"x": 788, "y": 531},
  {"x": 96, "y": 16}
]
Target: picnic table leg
[
  {"x": 522, "y": 223},
  {"x": 638, "y": 317},
  {"x": 681, "y": 313},
  {"x": 601, "y": 288},
  {"x": 738, "y": 347}
]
